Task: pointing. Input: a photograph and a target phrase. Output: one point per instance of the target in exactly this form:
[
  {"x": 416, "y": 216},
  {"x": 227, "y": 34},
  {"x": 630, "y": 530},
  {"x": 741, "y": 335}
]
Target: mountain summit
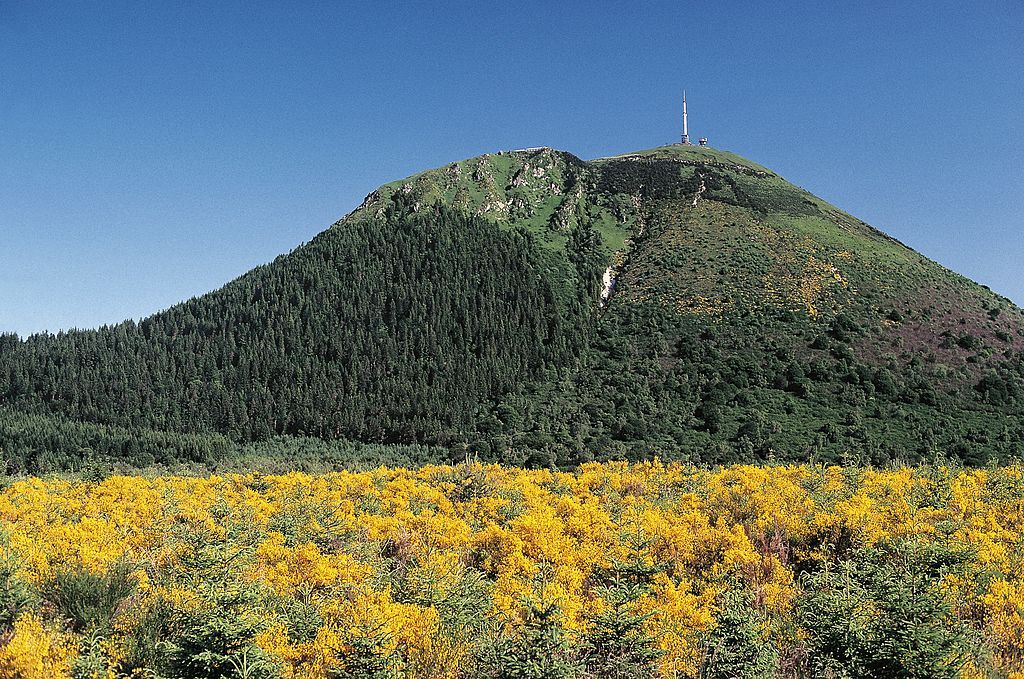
[{"x": 533, "y": 307}]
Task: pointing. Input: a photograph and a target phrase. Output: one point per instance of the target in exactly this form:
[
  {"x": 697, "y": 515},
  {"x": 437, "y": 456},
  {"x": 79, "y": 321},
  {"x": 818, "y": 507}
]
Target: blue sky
[{"x": 150, "y": 152}]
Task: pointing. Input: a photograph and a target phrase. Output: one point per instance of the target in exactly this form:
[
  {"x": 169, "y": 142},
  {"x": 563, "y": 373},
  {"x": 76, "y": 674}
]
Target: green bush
[
  {"x": 16, "y": 595},
  {"x": 880, "y": 614},
  {"x": 92, "y": 660},
  {"x": 216, "y": 639},
  {"x": 90, "y": 600},
  {"x": 737, "y": 647},
  {"x": 365, "y": 657},
  {"x": 143, "y": 650},
  {"x": 216, "y": 642},
  {"x": 615, "y": 644},
  {"x": 539, "y": 649}
]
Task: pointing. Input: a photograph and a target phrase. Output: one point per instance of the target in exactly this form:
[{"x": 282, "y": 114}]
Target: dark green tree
[
  {"x": 737, "y": 647},
  {"x": 880, "y": 614},
  {"x": 616, "y": 644},
  {"x": 538, "y": 648}
]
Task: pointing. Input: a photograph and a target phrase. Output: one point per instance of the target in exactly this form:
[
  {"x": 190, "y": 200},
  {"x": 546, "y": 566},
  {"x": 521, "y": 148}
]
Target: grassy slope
[{"x": 781, "y": 248}]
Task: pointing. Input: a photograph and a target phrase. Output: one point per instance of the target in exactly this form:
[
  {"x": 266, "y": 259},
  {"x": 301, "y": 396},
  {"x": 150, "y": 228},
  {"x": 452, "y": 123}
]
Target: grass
[{"x": 691, "y": 153}]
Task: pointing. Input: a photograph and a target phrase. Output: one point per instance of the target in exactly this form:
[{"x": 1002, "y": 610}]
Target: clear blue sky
[{"x": 152, "y": 151}]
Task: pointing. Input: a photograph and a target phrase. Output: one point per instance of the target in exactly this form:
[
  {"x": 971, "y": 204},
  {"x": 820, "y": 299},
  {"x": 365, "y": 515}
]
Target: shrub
[
  {"x": 216, "y": 642},
  {"x": 365, "y": 657},
  {"x": 90, "y": 600},
  {"x": 538, "y": 650},
  {"x": 737, "y": 647},
  {"x": 616, "y": 645},
  {"x": 880, "y": 614},
  {"x": 16, "y": 595}
]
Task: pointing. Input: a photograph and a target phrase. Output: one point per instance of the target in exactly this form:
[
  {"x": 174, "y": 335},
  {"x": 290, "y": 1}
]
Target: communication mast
[{"x": 686, "y": 133}]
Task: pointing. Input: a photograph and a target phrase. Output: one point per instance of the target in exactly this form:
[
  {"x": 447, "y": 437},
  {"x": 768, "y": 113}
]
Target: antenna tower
[{"x": 686, "y": 134}]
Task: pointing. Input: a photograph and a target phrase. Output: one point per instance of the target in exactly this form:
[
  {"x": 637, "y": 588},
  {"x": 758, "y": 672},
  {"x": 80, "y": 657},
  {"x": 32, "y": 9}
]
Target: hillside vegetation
[
  {"x": 534, "y": 308},
  {"x": 613, "y": 570}
]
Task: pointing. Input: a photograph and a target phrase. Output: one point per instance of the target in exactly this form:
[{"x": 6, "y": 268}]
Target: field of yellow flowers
[{"x": 613, "y": 570}]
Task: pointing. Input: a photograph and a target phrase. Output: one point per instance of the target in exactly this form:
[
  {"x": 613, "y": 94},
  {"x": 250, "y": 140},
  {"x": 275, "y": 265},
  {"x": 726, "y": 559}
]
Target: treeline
[
  {"x": 388, "y": 330},
  {"x": 45, "y": 444},
  {"x": 40, "y": 444}
]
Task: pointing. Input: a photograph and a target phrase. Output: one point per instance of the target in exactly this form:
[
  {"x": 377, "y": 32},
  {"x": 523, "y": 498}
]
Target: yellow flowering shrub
[
  {"x": 416, "y": 572},
  {"x": 34, "y": 652}
]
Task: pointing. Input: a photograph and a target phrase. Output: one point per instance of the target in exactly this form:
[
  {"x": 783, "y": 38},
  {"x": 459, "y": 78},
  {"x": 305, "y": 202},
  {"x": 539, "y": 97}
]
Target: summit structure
[{"x": 686, "y": 134}]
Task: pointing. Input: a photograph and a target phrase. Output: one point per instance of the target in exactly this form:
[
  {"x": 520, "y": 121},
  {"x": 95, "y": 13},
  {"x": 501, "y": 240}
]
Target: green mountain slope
[{"x": 532, "y": 307}]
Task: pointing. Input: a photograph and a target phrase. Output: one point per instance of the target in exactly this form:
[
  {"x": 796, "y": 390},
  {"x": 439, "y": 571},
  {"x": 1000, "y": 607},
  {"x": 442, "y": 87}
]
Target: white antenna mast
[{"x": 686, "y": 133}]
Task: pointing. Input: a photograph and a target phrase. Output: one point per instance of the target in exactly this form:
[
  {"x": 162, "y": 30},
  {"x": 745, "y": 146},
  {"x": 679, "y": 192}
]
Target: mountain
[{"x": 535, "y": 308}]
